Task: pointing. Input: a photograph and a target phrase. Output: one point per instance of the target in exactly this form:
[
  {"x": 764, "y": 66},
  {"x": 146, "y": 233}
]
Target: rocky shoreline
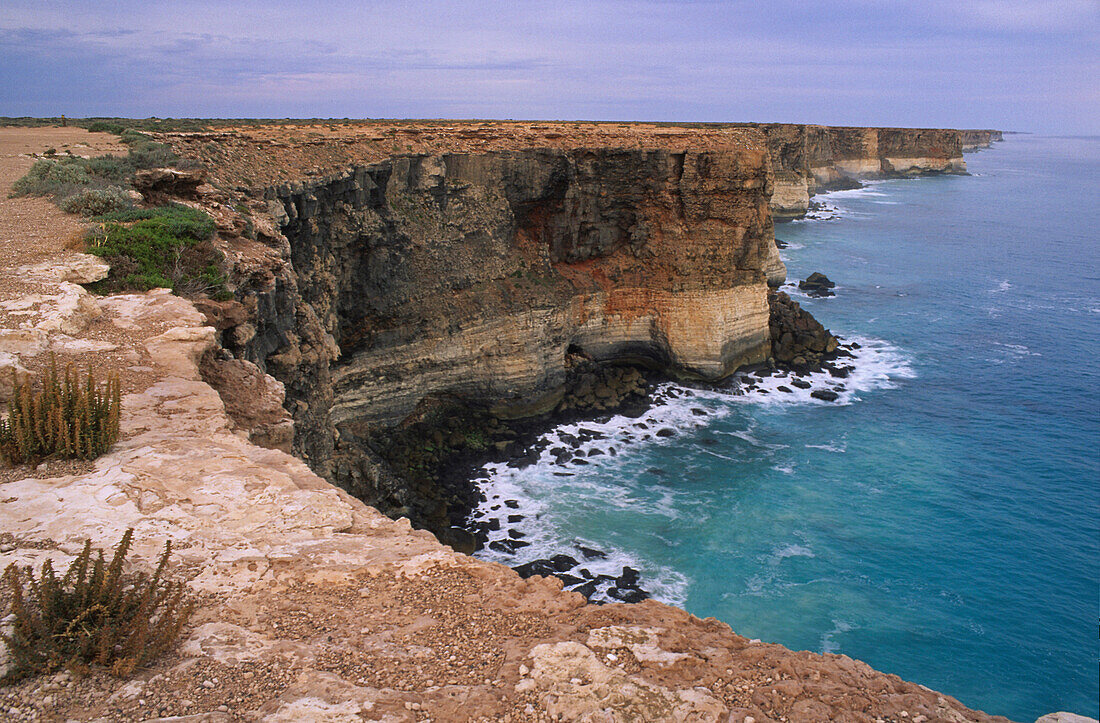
[{"x": 801, "y": 346}]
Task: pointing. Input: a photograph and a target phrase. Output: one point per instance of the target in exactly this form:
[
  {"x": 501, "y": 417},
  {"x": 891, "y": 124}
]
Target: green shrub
[
  {"x": 96, "y": 201},
  {"x": 63, "y": 178},
  {"x": 145, "y": 152},
  {"x": 162, "y": 247},
  {"x": 51, "y": 177},
  {"x": 113, "y": 169},
  {"x": 95, "y": 616},
  {"x": 105, "y": 127},
  {"x": 63, "y": 419}
]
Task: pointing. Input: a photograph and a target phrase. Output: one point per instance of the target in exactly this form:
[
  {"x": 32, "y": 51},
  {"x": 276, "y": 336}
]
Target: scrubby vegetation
[
  {"x": 62, "y": 419},
  {"x": 167, "y": 247},
  {"x": 93, "y": 186},
  {"x": 96, "y": 201},
  {"x": 93, "y": 617}
]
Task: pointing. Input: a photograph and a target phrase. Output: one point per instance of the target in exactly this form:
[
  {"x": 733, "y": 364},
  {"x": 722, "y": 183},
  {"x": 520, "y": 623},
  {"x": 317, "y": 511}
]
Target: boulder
[
  {"x": 222, "y": 315},
  {"x": 253, "y": 400},
  {"x": 74, "y": 268},
  {"x": 11, "y": 372},
  {"x": 817, "y": 284},
  {"x": 159, "y": 185}
]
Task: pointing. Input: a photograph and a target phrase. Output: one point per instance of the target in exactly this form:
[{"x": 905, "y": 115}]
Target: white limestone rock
[
  {"x": 1063, "y": 717},
  {"x": 74, "y": 268}
]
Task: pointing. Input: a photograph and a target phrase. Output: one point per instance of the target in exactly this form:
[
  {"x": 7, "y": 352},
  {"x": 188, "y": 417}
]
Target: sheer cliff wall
[
  {"x": 809, "y": 159},
  {"x": 388, "y": 272},
  {"x": 394, "y": 289},
  {"x": 973, "y": 139}
]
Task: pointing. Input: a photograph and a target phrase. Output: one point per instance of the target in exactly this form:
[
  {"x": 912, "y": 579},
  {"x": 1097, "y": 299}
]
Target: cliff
[
  {"x": 973, "y": 140},
  {"x": 413, "y": 283},
  {"x": 481, "y": 280},
  {"x": 809, "y": 159},
  {"x": 313, "y": 606}
]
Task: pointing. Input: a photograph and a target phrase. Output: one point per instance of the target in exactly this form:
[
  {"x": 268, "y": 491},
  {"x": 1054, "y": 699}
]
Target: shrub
[
  {"x": 51, "y": 177},
  {"x": 64, "y": 178},
  {"x": 145, "y": 152},
  {"x": 110, "y": 168},
  {"x": 95, "y": 616},
  {"x": 96, "y": 201},
  {"x": 105, "y": 127},
  {"x": 64, "y": 418},
  {"x": 162, "y": 247}
]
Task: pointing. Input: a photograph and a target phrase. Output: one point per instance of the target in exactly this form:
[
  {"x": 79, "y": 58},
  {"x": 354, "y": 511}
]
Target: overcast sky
[{"x": 1009, "y": 64}]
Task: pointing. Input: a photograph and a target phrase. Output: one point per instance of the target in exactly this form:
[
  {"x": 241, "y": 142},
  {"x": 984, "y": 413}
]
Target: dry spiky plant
[
  {"x": 95, "y": 616},
  {"x": 64, "y": 418}
]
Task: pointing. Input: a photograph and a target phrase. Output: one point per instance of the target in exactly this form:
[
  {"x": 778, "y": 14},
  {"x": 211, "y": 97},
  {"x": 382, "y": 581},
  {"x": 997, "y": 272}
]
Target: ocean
[{"x": 941, "y": 520}]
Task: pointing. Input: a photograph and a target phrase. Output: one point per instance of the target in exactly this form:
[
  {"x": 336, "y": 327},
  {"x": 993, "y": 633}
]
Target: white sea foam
[
  {"x": 792, "y": 550},
  {"x": 838, "y": 448},
  {"x": 876, "y": 365},
  {"x": 543, "y": 492},
  {"x": 791, "y": 289},
  {"x": 828, "y": 643}
]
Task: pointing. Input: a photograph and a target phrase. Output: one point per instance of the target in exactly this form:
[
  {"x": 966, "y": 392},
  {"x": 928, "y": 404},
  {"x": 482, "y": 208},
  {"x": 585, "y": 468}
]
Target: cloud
[
  {"x": 862, "y": 62},
  {"x": 1031, "y": 15}
]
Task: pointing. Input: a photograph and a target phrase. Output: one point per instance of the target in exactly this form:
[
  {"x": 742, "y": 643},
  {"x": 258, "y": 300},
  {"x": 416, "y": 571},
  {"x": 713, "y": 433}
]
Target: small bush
[
  {"x": 64, "y": 178},
  {"x": 105, "y": 127},
  {"x": 64, "y": 418},
  {"x": 162, "y": 247},
  {"x": 96, "y": 201},
  {"x": 95, "y": 616},
  {"x": 51, "y": 177},
  {"x": 145, "y": 152},
  {"x": 110, "y": 168}
]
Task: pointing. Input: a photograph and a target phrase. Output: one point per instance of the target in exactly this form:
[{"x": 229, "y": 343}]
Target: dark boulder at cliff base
[
  {"x": 629, "y": 595},
  {"x": 825, "y": 395},
  {"x": 817, "y": 284},
  {"x": 592, "y": 553},
  {"x": 799, "y": 341},
  {"x": 536, "y": 567}
]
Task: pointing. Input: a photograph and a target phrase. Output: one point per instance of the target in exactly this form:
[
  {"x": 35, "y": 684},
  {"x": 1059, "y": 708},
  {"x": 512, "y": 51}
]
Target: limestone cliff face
[
  {"x": 974, "y": 139},
  {"x": 432, "y": 279},
  {"x": 808, "y": 159}
]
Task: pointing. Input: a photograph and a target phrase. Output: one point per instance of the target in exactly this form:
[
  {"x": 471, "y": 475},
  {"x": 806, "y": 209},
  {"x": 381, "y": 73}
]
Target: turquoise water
[{"x": 943, "y": 521}]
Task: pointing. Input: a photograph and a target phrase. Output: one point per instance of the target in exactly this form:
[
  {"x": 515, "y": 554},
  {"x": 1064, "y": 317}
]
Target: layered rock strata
[
  {"x": 974, "y": 140},
  {"x": 809, "y": 159},
  {"x": 417, "y": 287},
  {"x": 394, "y": 275}
]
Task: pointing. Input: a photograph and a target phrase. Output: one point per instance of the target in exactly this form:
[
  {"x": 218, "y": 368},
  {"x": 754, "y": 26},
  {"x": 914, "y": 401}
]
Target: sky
[{"x": 1007, "y": 64}]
